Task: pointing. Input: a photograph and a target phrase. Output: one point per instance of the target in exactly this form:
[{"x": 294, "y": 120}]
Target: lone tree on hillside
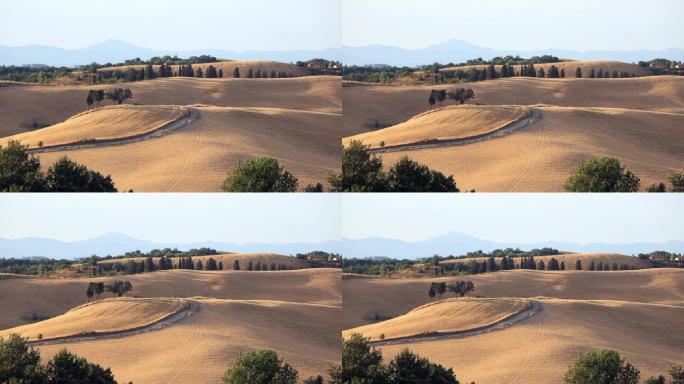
[
  {"x": 604, "y": 174},
  {"x": 90, "y": 99},
  {"x": 211, "y": 72},
  {"x": 263, "y": 174},
  {"x": 260, "y": 367},
  {"x": 601, "y": 367}
]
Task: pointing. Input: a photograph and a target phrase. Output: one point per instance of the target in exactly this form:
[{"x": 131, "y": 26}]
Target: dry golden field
[
  {"x": 104, "y": 123},
  {"x": 634, "y": 312},
  {"x": 580, "y": 119},
  {"x": 295, "y": 120},
  {"x": 450, "y": 315},
  {"x": 296, "y": 313},
  {"x": 106, "y": 315}
]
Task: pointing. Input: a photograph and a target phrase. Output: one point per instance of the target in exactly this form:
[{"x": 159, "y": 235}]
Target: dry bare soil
[
  {"x": 634, "y": 312},
  {"x": 296, "y": 313},
  {"x": 638, "y": 120},
  {"x": 295, "y": 120}
]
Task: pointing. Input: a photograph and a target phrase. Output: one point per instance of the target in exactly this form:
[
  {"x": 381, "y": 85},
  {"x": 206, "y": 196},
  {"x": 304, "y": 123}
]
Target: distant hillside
[
  {"x": 449, "y": 244},
  {"x": 115, "y": 51},
  {"x": 456, "y": 51}
]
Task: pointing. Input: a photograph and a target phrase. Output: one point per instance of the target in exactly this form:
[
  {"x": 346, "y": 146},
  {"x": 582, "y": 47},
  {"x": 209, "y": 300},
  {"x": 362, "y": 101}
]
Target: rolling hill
[
  {"x": 580, "y": 119},
  {"x": 295, "y": 313},
  {"x": 633, "y": 312},
  {"x": 295, "y": 120}
]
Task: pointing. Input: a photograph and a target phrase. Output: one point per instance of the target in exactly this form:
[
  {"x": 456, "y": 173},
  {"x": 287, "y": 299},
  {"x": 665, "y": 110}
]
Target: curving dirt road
[
  {"x": 193, "y": 307},
  {"x": 193, "y": 115},
  {"x": 506, "y": 129},
  {"x": 534, "y": 307}
]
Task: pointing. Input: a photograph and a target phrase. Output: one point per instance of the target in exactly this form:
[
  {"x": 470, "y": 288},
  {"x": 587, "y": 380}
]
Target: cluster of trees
[
  {"x": 376, "y": 266},
  {"x": 40, "y": 74},
  {"x": 459, "y": 95},
  {"x": 318, "y": 259},
  {"x": 182, "y": 262},
  {"x": 459, "y": 287},
  {"x": 117, "y": 288},
  {"x": 20, "y": 363},
  {"x": 606, "y": 174},
  {"x": 162, "y": 257},
  {"x": 605, "y": 366},
  {"x": 20, "y": 172},
  {"x": 148, "y": 72},
  {"x": 363, "y": 172},
  {"x": 263, "y": 366},
  {"x": 118, "y": 95},
  {"x": 382, "y": 74},
  {"x": 362, "y": 363},
  {"x": 39, "y": 266},
  {"x": 263, "y": 174}
]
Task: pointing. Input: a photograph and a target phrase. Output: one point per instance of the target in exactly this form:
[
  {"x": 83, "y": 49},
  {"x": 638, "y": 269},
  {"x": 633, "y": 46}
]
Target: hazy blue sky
[
  {"x": 287, "y": 218},
  {"x": 516, "y": 24},
  {"x": 516, "y": 217},
  {"x": 181, "y": 218},
  {"x": 174, "y": 24}
]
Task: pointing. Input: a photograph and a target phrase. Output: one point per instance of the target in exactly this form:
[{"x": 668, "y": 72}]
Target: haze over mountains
[
  {"x": 456, "y": 51},
  {"x": 117, "y": 51},
  {"x": 114, "y": 51},
  {"x": 114, "y": 243}
]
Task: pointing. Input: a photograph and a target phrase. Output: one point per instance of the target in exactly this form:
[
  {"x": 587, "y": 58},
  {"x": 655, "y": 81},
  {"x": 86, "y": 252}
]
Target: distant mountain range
[
  {"x": 458, "y": 51},
  {"x": 115, "y": 51},
  {"x": 454, "y": 243}
]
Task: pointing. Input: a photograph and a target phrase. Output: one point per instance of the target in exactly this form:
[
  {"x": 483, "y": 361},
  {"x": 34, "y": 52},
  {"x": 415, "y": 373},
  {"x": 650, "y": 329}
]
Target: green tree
[
  {"x": 360, "y": 363},
  {"x": 601, "y": 367},
  {"x": 211, "y": 72},
  {"x": 67, "y": 368},
  {"x": 677, "y": 180},
  {"x": 315, "y": 380},
  {"x": 19, "y": 363},
  {"x": 677, "y": 374},
  {"x": 361, "y": 171},
  {"x": 68, "y": 176},
  {"x": 19, "y": 170},
  {"x": 260, "y": 367},
  {"x": 90, "y": 99},
  {"x": 432, "y": 99},
  {"x": 263, "y": 174},
  {"x": 409, "y": 368},
  {"x": 318, "y": 187},
  {"x": 604, "y": 174},
  {"x": 410, "y": 176},
  {"x": 211, "y": 264}
]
